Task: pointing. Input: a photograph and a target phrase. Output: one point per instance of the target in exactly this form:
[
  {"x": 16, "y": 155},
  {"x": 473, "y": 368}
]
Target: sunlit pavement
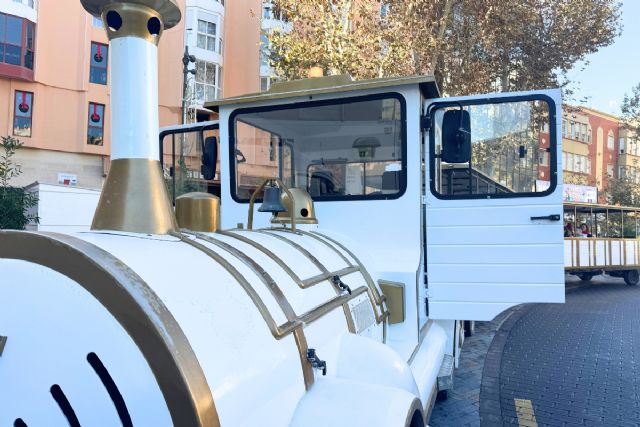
[{"x": 549, "y": 364}]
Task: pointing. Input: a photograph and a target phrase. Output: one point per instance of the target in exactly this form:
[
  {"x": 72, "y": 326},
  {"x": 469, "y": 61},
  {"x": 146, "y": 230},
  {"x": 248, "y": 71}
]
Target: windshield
[{"x": 342, "y": 149}]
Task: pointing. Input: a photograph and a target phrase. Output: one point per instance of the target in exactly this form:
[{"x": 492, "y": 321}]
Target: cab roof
[{"x": 329, "y": 84}]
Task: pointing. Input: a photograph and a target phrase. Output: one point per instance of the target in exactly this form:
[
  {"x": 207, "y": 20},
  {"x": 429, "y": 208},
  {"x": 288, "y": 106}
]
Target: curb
[{"x": 490, "y": 406}]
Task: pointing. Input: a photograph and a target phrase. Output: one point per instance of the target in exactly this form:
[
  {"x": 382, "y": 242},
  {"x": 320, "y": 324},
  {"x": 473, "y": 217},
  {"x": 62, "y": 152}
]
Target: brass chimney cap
[{"x": 168, "y": 9}]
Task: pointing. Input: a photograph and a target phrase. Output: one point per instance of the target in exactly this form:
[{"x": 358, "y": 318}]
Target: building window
[
  {"x": 610, "y": 141},
  {"x": 16, "y": 41},
  {"x": 265, "y": 83},
  {"x": 264, "y": 50},
  {"x": 99, "y": 60},
  {"x": 95, "y": 128},
  {"x": 621, "y": 145},
  {"x": 208, "y": 37},
  {"x": 543, "y": 157},
  {"x": 576, "y": 163},
  {"x": 610, "y": 170},
  {"x": 97, "y": 22},
  {"x": 30, "y": 3},
  {"x": 208, "y": 77},
  {"x": 23, "y": 113},
  {"x": 271, "y": 11}
]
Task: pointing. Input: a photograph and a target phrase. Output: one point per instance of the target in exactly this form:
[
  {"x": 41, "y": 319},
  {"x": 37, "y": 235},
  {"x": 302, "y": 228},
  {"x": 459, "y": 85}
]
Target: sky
[{"x": 613, "y": 70}]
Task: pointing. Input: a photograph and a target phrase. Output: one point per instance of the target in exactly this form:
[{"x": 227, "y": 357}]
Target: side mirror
[
  {"x": 209, "y": 158},
  {"x": 456, "y": 136}
]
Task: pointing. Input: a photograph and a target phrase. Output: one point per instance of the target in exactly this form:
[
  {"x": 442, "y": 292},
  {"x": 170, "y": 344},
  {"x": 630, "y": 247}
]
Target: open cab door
[{"x": 494, "y": 233}]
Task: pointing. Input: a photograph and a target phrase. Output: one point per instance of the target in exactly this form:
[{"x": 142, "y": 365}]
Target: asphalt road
[{"x": 572, "y": 364}]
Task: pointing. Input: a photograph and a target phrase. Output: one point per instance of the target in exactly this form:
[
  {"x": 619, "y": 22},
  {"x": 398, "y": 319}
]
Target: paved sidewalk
[
  {"x": 461, "y": 407},
  {"x": 576, "y": 364}
]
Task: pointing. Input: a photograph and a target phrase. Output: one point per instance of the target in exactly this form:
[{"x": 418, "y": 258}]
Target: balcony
[
  {"x": 630, "y": 160},
  {"x": 27, "y": 9},
  {"x": 17, "y": 47}
]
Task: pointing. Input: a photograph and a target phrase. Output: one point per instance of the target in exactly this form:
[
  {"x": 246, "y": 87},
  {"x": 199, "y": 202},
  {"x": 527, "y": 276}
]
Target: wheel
[
  {"x": 631, "y": 277},
  {"x": 586, "y": 276}
]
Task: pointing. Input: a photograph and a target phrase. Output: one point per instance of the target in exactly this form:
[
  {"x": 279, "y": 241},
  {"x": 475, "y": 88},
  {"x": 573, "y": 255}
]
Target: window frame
[
  {"x": 15, "y": 116},
  {"x": 217, "y": 87},
  {"x": 89, "y": 125},
  {"x": 25, "y": 25},
  {"x": 217, "y": 40},
  {"x": 106, "y": 63},
  {"x": 611, "y": 137},
  {"x": 553, "y": 145},
  {"x": 321, "y": 103}
]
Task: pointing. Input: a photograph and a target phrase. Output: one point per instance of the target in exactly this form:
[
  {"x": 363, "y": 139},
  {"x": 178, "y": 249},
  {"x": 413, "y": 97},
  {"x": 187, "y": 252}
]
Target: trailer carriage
[{"x": 611, "y": 245}]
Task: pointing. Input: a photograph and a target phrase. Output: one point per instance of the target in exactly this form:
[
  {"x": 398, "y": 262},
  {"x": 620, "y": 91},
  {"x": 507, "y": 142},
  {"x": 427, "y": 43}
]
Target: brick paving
[
  {"x": 461, "y": 406},
  {"x": 577, "y": 364}
]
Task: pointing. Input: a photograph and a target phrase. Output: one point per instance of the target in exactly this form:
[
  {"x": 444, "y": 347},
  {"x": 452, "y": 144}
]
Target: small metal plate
[{"x": 394, "y": 291}]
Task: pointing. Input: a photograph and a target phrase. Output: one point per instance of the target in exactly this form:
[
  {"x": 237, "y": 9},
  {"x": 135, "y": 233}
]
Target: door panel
[{"x": 484, "y": 251}]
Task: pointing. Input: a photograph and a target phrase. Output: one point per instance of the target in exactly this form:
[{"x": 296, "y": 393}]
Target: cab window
[
  {"x": 347, "y": 149},
  {"x": 510, "y": 150}
]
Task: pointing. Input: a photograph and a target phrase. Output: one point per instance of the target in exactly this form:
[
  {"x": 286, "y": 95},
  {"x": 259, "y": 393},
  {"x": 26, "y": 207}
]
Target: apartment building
[
  {"x": 224, "y": 37},
  {"x": 54, "y": 89},
  {"x": 593, "y": 147}
]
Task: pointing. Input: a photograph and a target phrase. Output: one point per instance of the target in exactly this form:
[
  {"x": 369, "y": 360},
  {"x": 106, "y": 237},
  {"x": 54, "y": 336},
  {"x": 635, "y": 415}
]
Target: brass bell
[{"x": 271, "y": 202}]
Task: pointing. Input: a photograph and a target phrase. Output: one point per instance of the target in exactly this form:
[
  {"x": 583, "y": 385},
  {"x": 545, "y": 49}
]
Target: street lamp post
[{"x": 186, "y": 60}]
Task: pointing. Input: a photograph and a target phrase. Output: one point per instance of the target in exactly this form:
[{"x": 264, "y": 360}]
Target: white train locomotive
[{"x": 334, "y": 304}]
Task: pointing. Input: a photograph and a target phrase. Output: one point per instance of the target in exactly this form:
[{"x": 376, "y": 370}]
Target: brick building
[{"x": 593, "y": 148}]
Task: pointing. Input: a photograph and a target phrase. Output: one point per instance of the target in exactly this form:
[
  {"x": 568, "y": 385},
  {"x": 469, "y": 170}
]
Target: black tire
[
  {"x": 631, "y": 277},
  {"x": 585, "y": 277}
]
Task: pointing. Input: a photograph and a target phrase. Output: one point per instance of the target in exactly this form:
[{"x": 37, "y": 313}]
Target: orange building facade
[
  {"x": 54, "y": 88},
  {"x": 54, "y": 79}
]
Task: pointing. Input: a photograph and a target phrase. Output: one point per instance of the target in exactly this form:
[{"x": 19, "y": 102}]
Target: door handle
[{"x": 554, "y": 217}]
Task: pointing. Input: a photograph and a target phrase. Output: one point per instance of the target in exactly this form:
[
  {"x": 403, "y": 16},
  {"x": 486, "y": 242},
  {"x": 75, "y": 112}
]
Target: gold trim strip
[
  {"x": 278, "y": 332},
  {"x": 373, "y": 290},
  {"x": 306, "y": 233},
  {"x": 134, "y": 21},
  {"x": 274, "y": 289},
  {"x": 328, "y": 275},
  {"x": 365, "y": 273},
  {"x": 325, "y": 308},
  {"x": 577, "y": 253},
  {"x": 301, "y": 283},
  {"x": 136, "y": 308}
]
